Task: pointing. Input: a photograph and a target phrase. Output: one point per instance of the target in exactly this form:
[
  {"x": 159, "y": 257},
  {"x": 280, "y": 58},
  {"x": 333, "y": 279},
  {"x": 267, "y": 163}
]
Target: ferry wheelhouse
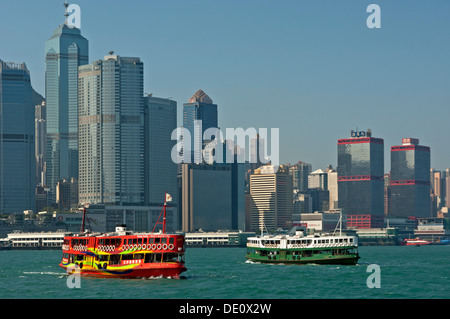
[
  {"x": 125, "y": 254},
  {"x": 299, "y": 248}
]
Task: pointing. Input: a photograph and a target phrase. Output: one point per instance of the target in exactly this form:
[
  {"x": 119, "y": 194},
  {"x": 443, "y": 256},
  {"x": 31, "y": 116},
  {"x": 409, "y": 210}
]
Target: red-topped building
[
  {"x": 410, "y": 180},
  {"x": 361, "y": 179}
]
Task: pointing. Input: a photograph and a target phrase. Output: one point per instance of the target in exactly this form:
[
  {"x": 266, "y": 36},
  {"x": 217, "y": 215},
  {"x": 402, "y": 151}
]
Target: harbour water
[{"x": 223, "y": 273}]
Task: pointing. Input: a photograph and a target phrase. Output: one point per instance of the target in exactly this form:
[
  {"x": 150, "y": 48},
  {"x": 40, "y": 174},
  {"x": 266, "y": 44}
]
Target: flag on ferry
[{"x": 168, "y": 198}]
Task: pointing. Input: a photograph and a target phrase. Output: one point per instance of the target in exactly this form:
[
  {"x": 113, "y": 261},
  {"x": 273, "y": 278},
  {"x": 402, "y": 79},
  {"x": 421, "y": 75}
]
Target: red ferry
[{"x": 125, "y": 254}]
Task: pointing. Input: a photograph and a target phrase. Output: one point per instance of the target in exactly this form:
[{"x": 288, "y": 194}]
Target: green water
[{"x": 223, "y": 273}]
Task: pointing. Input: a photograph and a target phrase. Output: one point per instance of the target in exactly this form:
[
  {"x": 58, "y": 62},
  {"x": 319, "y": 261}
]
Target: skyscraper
[
  {"x": 300, "y": 173},
  {"x": 410, "y": 183},
  {"x": 271, "y": 198},
  {"x": 40, "y": 141},
  {"x": 160, "y": 171},
  {"x": 17, "y": 160},
  {"x": 360, "y": 179},
  {"x": 65, "y": 51},
  {"x": 200, "y": 107},
  {"x": 111, "y": 131}
]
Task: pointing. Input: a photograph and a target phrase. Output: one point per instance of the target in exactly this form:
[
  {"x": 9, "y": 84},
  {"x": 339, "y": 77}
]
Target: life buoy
[
  {"x": 154, "y": 247},
  {"x": 139, "y": 247},
  {"x": 134, "y": 247},
  {"x": 164, "y": 246},
  {"x": 171, "y": 247},
  {"x": 124, "y": 247},
  {"x": 144, "y": 246},
  {"x": 159, "y": 246}
]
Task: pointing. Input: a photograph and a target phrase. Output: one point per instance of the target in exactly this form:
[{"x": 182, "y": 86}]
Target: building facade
[
  {"x": 17, "y": 145},
  {"x": 206, "y": 197},
  {"x": 300, "y": 173},
  {"x": 65, "y": 51},
  {"x": 111, "y": 131},
  {"x": 360, "y": 177},
  {"x": 160, "y": 118},
  {"x": 199, "y": 109},
  {"x": 409, "y": 182},
  {"x": 272, "y": 198}
]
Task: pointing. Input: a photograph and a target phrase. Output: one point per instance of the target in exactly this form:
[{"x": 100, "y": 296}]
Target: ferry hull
[
  {"x": 347, "y": 260},
  {"x": 162, "y": 270}
]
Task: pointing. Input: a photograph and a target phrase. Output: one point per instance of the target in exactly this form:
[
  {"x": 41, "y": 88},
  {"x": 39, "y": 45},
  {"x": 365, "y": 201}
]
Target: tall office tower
[
  {"x": 300, "y": 173},
  {"x": 387, "y": 193},
  {"x": 437, "y": 191},
  {"x": 40, "y": 135},
  {"x": 360, "y": 179},
  {"x": 318, "y": 179},
  {"x": 160, "y": 171},
  {"x": 333, "y": 188},
  {"x": 206, "y": 197},
  {"x": 111, "y": 131},
  {"x": 200, "y": 107},
  {"x": 447, "y": 187},
  {"x": 65, "y": 51},
  {"x": 272, "y": 199},
  {"x": 17, "y": 160},
  {"x": 410, "y": 184}
]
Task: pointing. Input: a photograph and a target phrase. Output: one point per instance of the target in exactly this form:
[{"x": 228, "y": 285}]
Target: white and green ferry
[{"x": 299, "y": 248}]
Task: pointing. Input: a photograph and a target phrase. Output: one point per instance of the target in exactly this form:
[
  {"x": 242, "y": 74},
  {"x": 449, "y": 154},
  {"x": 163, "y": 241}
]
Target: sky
[{"x": 313, "y": 69}]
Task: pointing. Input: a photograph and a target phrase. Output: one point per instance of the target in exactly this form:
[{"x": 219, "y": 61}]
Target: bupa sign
[{"x": 358, "y": 134}]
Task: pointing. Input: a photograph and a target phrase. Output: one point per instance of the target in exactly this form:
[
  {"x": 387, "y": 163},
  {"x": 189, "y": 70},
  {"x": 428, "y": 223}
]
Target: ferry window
[
  {"x": 150, "y": 240},
  {"x": 127, "y": 257},
  {"x": 114, "y": 259},
  {"x": 170, "y": 257},
  {"x": 138, "y": 256},
  {"x": 163, "y": 240},
  {"x": 172, "y": 240},
  {"x": 145, "y": 241},
  {"x": 134, "y": 241},
  {"x": 139, "y": 241},
  {"x": 157, "y": 240}
]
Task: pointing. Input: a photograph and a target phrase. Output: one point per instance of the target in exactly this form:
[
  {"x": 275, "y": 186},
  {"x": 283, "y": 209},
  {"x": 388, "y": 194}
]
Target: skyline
[{"x": 248, "y": 58}]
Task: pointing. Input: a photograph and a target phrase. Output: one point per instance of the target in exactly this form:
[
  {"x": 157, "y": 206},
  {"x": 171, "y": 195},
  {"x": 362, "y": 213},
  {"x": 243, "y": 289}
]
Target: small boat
[
  {"x": 298, "y": 248},
  {"x": 125, "y": 254},
  {"x": 415, "y": 242}
]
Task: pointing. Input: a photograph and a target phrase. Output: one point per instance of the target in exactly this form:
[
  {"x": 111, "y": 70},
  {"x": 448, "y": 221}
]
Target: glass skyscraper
[
  {"x": 200, "y": 107},
  {"x": 111, "y": 131},
  {"x": 160, "y": 170},
  {"x": 65, "y": 51},
  {"x": 17, "y": 160},
  {"x": 360, "y": 175},
  {"x": 410, "y": 180}
]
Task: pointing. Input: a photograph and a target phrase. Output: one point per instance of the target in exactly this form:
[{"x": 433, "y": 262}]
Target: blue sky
[{"x": 313, "y": 69}]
